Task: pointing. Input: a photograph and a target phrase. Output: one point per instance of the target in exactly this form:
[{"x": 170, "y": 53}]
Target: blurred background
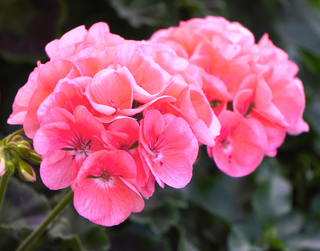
[{"x": 275, "y": 208}]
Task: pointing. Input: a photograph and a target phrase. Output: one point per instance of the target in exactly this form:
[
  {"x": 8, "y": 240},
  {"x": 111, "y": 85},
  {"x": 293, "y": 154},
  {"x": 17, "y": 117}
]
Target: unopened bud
[
  {"x": 26, "y": 172},
  {"x": 9, "y": 167},
  {"x": 17, "y": 138},
  {"x": 34, "y": 157},
  {"x": 23, "y": 148},
  {"x": 2, "y": 167}
]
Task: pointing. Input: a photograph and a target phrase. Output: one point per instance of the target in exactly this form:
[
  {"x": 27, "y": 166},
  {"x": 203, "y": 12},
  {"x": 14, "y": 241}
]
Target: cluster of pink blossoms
[
  {"x": 251, "y": 87},
  {"x": 111, "y": 117}
]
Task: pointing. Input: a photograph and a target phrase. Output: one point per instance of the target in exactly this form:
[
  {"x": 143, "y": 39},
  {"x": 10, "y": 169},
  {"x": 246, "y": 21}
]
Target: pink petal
[
  {"x": 58, "y": 170},
  {"x": 240, "y": 147}
]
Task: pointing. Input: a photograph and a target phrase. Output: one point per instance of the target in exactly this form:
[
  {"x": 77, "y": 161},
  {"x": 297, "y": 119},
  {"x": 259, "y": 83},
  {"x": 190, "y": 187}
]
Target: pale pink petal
[{"x": 72, "y": 37}]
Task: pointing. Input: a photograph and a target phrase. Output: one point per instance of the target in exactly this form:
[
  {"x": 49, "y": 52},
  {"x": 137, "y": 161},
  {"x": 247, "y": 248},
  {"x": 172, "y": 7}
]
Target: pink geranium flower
[
  {"x": 239, "y": 148},
  {"x": 68, "y": 94},
  {"x": 168, "y": 147},
  {"x": 123, "y": 134},
  {"x": 79, "y": 39},
  {"x": 41, "y": 83},
  {"x": 150, "y": 78},
  {"x": 65, "y": 140},
  {"x": 103, "y": 192},
  {"x": 110, "y": 92},
  {"x": 79, "y": 52},
  {"x": 256, "y": 81}
]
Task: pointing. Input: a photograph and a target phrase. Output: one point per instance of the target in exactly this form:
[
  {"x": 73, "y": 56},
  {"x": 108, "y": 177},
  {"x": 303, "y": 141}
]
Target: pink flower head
[
  {"x": 40, "y": 85},
  {"x": 227, "y": 37},
  {"x": 65, "y": 140},
  {"x": 79, "y": 39},
  {"x": 286, "y": 90},
  {"x": 239, "y": 148},
  {"x": 102, "y": 192},
  {"x": 110, "y": 92},
  {"x": 152, "y": 66},
  {"x": 168, "y": 147},
  {"x": 257, "y": 81},
  {"x": 190, "y": 104},
  {"x": 220, "y": 47},
  {"x": 78, "y": 53},
  {"x": 123, "y": 134},
  {"x": 68, "y": 94}
]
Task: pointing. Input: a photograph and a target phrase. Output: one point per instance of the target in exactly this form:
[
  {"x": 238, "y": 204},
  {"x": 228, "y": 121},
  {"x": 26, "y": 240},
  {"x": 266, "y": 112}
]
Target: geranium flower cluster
[
  {"x": 251, "y": 87},
  {"x": 111, "y": 117}
]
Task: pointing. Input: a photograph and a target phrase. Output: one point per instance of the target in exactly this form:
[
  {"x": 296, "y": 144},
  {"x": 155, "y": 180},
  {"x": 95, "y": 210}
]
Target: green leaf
[
  {"x": 220, "y": 197},
  {"x": 238, "y": 240},
  {"x": 303, "y": 242},
  {"x": 134, "y": 236},
  {"x": 289, "y": 224},
  {"x": 300, "y": 26},
  {"x": 272, "y": 199},
  {"x": 160, "y": 217},
  {"x": 272, "y": 196},
  {"x": 184, "y": 244},
  {"x": 312, "y": 112},
  {"x": 311, "y": 60},
  {"x": 23, "y": 207},
  {"x": 162, "y": 209},
  {"x": 70, "y": 227},
  {"x": 141, "y": 12}
]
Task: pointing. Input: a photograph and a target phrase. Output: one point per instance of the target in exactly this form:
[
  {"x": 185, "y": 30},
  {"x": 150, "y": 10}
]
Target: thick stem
[
  {"x": 3, "y": 187},
  {"x": 37, "y": 232}
]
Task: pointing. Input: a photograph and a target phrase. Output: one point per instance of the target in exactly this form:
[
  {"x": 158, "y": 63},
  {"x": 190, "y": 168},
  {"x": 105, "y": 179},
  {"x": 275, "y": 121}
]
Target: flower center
[
  {"x": 105, "y": 176},
  {"x": 115, "y": 106},
  {"x": 225, "y": 144},
  {"x": 82, "y": 149}
]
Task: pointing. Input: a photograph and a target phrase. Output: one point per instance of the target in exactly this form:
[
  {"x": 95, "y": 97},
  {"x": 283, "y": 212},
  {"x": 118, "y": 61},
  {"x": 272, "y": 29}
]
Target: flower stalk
[
  {"x": 3, "y": 186},
  {"x": 38, "y": 231}
]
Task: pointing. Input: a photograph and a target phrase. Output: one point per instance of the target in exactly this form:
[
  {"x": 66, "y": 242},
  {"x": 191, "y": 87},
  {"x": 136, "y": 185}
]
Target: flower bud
[
  {"x": 23, "y": 147},
  {"x": 34, "y": 157},
  {"x": 2, "y": 167},
  {"x": 9, "y": 167},
  {"x": 17, "y": 138},
  {"x": 26, "y": 172}
]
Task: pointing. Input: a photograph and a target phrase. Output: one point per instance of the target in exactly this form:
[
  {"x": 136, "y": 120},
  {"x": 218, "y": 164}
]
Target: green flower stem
[
  {"x": 21, "y": 131},
  {"x": 37, "y": 232},
  {"x": 3, "y": 186}
]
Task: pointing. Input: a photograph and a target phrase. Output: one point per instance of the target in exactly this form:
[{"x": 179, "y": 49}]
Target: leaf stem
[
  {"x": 37, "y": 232},
  {"x": 3, "y": 187}
]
